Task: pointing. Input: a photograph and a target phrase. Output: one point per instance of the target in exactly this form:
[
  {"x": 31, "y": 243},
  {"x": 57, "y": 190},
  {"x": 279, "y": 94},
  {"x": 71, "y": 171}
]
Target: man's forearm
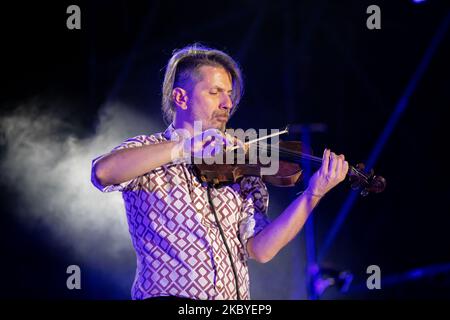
[
  {"x": 127, "y": 164},
  {"x": 266, "y": 244}
]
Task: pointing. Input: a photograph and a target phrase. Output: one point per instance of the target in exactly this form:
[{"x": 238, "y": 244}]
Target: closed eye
[{"x": 216, "y": 90}]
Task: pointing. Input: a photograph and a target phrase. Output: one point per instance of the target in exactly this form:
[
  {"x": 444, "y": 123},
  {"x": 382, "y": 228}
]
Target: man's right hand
[{"x": 205, "y": 145}]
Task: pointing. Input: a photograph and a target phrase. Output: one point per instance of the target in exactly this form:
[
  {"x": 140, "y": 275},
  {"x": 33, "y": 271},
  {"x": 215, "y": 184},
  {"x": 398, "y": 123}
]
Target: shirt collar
[{"x": 169, "y": 132}]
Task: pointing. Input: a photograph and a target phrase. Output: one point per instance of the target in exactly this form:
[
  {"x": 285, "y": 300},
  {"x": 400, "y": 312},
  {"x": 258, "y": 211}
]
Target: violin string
[
  {"x": 301, "y": 155},
  {"x": 292, "y": 153},
  {"x": 318, "y": 160}
]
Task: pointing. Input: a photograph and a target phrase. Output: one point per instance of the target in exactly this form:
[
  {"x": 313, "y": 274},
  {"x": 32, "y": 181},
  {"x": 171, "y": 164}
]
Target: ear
[{"x": 180, "y": 97}]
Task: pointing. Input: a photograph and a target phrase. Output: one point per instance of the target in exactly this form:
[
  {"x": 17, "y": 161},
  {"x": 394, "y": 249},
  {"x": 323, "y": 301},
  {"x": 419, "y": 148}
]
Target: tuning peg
[{"x": 377, "y": 184}]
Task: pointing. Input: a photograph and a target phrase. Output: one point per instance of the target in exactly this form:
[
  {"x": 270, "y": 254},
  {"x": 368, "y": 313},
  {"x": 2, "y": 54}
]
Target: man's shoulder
[{"x": 147, "y": 138}]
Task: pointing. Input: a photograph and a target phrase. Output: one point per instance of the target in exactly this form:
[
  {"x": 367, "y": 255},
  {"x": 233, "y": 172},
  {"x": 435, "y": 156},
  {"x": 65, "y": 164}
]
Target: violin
[{"x": 294, "y": 157}]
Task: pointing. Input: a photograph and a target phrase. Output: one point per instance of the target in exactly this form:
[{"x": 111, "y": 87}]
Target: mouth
[{"x": 222, "y": 118}]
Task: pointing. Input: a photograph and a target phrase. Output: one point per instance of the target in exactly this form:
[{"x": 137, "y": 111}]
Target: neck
[
  {"x": 193, "y": 127},
  {"x": 180, "y": 123}
]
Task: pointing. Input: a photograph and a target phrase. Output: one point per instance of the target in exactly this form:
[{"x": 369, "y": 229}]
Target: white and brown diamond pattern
[{"x": 178, "y": 245}]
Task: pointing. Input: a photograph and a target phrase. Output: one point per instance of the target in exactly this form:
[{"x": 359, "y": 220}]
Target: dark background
[{"x": 304, "y": 62}]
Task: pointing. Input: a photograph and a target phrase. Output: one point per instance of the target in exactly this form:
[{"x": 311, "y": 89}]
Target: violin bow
[{"x": 285, "y": 130}]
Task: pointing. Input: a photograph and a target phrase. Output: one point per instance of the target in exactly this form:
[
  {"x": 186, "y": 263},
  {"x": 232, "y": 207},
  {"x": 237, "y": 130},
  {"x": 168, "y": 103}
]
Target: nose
[{"x": 226, "y": 102}]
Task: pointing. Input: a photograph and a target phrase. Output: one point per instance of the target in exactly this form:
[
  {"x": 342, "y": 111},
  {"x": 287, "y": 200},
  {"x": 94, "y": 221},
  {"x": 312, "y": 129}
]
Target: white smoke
[
  {"x": 47, "y": 163},
  {"x": 49, "y": 166}
]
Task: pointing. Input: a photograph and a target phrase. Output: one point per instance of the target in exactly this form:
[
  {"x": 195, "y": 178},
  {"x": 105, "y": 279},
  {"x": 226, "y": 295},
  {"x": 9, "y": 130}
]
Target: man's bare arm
[
  {"x": 126, "y": 164},
  {"x": 266, "y": 244}
]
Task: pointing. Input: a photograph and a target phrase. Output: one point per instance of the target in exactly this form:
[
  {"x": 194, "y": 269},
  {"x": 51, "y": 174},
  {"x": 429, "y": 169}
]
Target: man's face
[{"x": 210, "y": 99}]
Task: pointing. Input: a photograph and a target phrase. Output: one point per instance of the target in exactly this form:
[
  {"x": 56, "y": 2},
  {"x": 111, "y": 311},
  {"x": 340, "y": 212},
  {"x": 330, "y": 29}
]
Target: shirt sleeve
[
  {"x": 134, "y": 142},
  {"x": 254, "y": 216}
]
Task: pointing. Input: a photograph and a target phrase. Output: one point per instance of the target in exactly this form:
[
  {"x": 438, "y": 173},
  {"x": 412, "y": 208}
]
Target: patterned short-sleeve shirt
[{"x": 179, "y": 249}]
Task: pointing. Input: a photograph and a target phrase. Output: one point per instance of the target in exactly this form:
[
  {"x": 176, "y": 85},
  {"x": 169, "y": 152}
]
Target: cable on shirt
[{"x": 230, "y": 256}]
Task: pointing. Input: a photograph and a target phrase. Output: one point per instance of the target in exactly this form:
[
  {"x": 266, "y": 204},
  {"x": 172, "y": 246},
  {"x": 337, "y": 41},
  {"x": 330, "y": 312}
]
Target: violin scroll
[{"x": 366, "y": 182}]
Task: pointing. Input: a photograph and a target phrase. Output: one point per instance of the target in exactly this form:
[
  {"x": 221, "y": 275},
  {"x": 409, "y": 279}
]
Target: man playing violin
[{"x": 193, "y": 241}]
